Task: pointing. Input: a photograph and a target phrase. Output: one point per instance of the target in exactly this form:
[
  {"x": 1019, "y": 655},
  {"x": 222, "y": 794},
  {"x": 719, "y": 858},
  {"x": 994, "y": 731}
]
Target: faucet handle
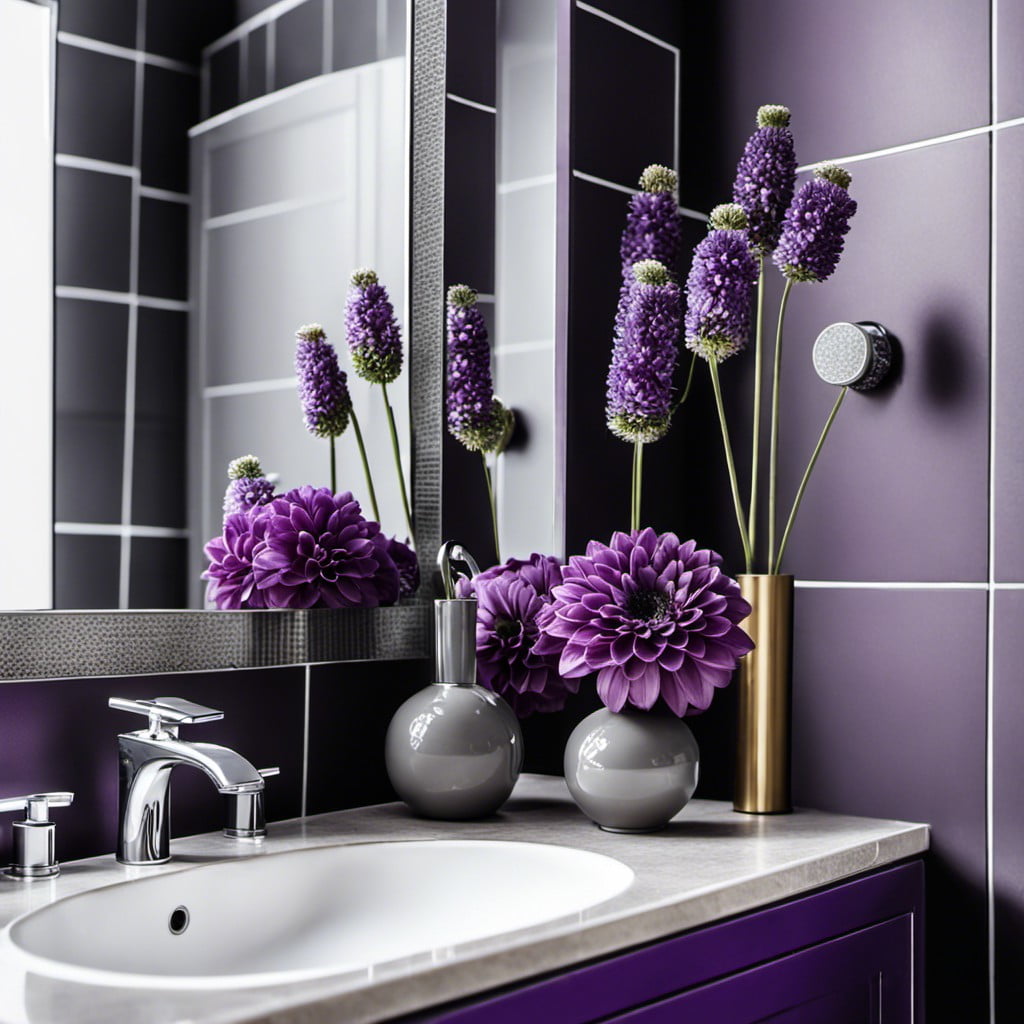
[
  {"x": 172, "y": 711},
  {"x": 33, "y": 853}
]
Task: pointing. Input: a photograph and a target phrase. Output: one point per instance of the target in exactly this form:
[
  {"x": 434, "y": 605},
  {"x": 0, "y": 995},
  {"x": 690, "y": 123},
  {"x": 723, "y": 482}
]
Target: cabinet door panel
[{"x": 862, "y": 978}]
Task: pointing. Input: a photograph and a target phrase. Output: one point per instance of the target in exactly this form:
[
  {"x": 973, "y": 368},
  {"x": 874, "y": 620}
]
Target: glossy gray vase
[
  {"x": 631, "y": 771},
  {"x": 454, "y": 750}
]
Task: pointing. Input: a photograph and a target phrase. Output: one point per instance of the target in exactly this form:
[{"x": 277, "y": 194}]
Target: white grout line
[
  {"x": 485, "y": 107},
  {"x": 272, "y": 210},
  {"x": 518, "y": 347},
  {"x": 149, "y": 192},
  {"x": 305, "y": 741},
  {"x": 485, "y": 297},
  {"x": 990, "y": 896},
  {"x": 521, "y": 184},
  {"x": 115, "y": 530},
  {"x": 253, "y": 387},
  {"x": 885, "y": 585},
  {"x": 626, "y": 25},
  {"x": 69, "y": 291},
  {"x": 154, "y": 302},
  {"x": 627, "y": 190},
  {"x": 126, "y": 53},
  {"x": 271, "y": 66},
  {"x": 264, "y": 17},
  {"x": 85, "y": 163}
]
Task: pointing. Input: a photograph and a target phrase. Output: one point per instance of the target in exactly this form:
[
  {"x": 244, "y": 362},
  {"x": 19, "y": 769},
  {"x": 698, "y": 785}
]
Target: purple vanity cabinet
[{"x": 849, "y": 954}]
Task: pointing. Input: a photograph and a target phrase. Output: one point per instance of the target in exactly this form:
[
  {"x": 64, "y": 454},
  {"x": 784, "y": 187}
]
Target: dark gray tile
[
  {"x": 346, "y": 761},
  {"x": 1008, "y": 823},
  {"x": 225, "y": 84},
  {"x": 170, "y": 106},
  {"x": 110, "y": 21},
  {"x": 88, "y": 457},
  {"x": 354, "y": 34},
  {"x": 163, "y": 249},
  {"x": 256, "y": 65},
  {"x": 159, "y": 469},
  {"x": 611, "y": 69},
  {"x": 652, "y": 16},
  {"x": 86, "y": 573},
  {"x": 469, "y": 182},
  {"x": 298, "y": 44},
  {"x": 900, "y": 492},
  {"x": 158, "y": 574},
  {"x": 853, "y": 83},
  {"x": 61, "y": 735},
  {"x": 95, "y": 104},
  {"x": 181, "y": 28},
  {"x": 471, "y": 69},
  {"x": 889, "y": 721},
  {"x": 90, "y": 357},
  {"x": 93, "y": 213},
  {"x": 1008, "y": 510}
]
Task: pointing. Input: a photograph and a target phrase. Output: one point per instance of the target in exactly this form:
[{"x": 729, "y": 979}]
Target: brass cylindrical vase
[{"x": 763, "y": 741}]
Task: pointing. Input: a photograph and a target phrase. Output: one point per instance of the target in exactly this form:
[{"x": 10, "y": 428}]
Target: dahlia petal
[{"x": 612, "y": 688}]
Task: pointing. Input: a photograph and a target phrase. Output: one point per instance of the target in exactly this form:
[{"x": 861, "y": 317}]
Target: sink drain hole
[{"x": 178, "y": 921}]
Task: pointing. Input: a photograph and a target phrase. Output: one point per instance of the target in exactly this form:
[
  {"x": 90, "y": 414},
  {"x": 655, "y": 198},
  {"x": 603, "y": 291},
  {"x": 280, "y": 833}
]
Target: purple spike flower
[
  {"x": 374, "y": 340},
  {"x": 323, "y": 385},
  {"x": 766, "y": 177},
  {"x": 408, "y": 566},
  {"x": 231, "y": 582},
  {"x": 815, "y": 226},
  {"x": 639, "y": 387},
  {"x": 248, "y": 487},
  {"x": 652, "y": 617},
  {"x": 653, "y": 231},
  {"x": 475, "y": 417},
  {"x": 318, "y": 550},
  {"x": 511, "y": 599},
  {"x": 718, "y": 294}
]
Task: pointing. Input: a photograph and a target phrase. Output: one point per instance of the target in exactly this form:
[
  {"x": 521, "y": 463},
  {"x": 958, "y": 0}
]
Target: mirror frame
[{"x": 61, "y": 644}]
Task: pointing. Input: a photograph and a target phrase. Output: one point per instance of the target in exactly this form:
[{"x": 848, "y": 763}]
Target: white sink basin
[{"x": 309, "y": 913}]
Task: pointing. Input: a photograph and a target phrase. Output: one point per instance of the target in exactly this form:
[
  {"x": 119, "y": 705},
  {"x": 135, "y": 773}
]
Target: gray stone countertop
[{"x": 709, "y": 863}]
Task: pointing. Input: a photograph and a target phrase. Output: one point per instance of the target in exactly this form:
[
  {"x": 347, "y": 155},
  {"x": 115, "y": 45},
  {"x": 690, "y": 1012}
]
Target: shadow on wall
[{"x": 948, "y": 382}]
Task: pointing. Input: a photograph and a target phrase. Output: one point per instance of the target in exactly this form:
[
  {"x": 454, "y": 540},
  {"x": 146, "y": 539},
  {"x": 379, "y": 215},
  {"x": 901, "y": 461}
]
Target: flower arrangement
[
  {"x": 312, "y": 546},
  {"x": 476, "y": 418},
  {"x": 803, "y": 231}
]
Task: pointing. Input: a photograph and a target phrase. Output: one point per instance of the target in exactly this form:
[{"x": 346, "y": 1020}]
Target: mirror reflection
[{"x": 221, "y": 169}]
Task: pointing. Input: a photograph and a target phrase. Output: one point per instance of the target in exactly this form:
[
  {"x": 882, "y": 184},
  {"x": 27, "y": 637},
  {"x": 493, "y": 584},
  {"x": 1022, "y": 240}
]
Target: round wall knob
[{"x": 856, "y": 355}]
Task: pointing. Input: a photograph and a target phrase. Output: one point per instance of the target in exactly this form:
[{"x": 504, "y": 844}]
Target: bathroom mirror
[{"x": 312, "y": 160}]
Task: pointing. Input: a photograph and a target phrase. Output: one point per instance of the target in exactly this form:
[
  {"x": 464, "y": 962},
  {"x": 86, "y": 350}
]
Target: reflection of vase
[
  {"x": 631, "y": 771},
  {"x": 764, "y": 698}
]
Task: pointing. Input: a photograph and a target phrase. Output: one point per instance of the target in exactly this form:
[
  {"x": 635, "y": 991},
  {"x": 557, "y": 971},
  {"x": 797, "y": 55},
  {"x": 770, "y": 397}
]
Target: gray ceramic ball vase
[
  {"x": 454, "y": 750},
  {"x": 631, "y": 771}
]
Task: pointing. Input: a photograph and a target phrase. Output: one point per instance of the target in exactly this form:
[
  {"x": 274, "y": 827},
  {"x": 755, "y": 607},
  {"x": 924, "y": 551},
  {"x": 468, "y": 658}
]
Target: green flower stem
[
  {"x": 773, "y": 466},
  {"x": 807, "y": 476},
  {"x": 494, "y": 506},
  {"x": 334, "y": 468},
  {"x": 398, "y": 460},
  {"x": 737, "y": 503},
  {"x": 755, "y": 444},
  {"x": 366, "y": 464},
  {"x": 638, "y": 481},
  {"x": 689, "y": 384}
]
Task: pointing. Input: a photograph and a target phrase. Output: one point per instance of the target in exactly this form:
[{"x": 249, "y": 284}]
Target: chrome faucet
[{"x": 146, "y": 758}]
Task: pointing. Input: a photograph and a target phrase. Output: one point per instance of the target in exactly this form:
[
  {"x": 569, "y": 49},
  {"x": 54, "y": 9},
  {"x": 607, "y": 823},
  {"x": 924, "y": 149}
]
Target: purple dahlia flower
[
  {"x": 766, "y": 176},
  {"x": 718, "y": 294},
  {"x": 511, "y": 599},
  {"x": 323, "y": 385},
  {"x": 231, "y": 583},
  {"x": 248, "y": 487},
  {"x": 652, "y": 617},
  {"x": 653, "y": 231},
  {"x": 475, "y": 417},
  {"x": 815, "y": 225},
  {"x": 408, "y": 566},
  {"x": 374, "y": 340},
  {"x": 639, "y": 387},
  {"x": 319, "y": 550}
]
